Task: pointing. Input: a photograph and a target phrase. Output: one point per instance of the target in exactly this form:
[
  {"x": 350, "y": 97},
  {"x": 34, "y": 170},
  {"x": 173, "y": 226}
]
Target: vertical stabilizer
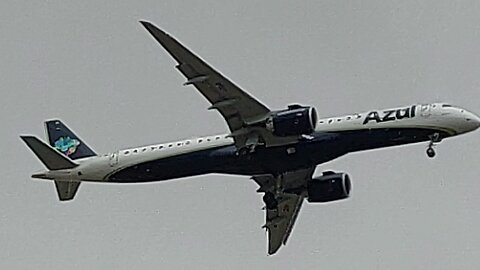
[{"x": 64, "y": 140}]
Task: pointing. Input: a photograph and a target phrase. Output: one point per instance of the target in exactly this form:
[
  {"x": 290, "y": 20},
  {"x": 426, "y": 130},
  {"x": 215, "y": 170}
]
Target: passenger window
[
  {"x": 187, "y": 142},
  {"x": 179, "y": 144},
  {"x": 144, "y": 149},
  {"x": 127, "y": 152},
  {"x": 170, "y": 145},
  {"x": 330, "y": 121},
  {"x": 200, "y": 140},
  {"x": 217, "y": 138}
]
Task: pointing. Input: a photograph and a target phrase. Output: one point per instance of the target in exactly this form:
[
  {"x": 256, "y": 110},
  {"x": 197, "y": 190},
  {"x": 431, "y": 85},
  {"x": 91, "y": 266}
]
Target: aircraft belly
[
  {"x": 322, "y": 148},
  {"x": 220, "y": 160},
  {"x": 183, "y": 165}
]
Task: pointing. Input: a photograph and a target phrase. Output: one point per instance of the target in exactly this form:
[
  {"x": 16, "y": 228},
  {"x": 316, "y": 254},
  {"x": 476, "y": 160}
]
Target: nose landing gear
[
  {"x": 434, "y": 138},
  {"x": 430, "y": 152}
]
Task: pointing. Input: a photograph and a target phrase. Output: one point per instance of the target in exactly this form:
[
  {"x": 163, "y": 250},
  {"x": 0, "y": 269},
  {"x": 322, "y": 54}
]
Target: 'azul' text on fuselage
[{"x": 390, "y": 115}]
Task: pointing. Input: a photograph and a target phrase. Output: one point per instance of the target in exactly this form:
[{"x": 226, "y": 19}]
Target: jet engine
[
  {"x": 296, "y": 120},
  {"x": 329, "y": 187}
]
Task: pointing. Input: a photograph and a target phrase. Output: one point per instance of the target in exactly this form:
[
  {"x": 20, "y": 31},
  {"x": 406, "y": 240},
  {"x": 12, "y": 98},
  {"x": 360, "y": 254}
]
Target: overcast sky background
[{"x": 93, "y": 65}]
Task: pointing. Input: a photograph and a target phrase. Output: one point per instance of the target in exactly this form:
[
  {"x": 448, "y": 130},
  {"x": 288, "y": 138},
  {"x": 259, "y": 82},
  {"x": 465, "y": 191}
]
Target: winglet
[
  {"x": 154, "y": 31},
  {"x": 51, "y": 158},
  {"x": 173, "y": 47},
  {"x": 150, "y": 26}
]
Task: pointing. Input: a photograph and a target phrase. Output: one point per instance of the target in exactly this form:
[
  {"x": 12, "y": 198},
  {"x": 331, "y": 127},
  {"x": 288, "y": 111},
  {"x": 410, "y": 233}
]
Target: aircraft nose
[{"x": 473, "y": 120}]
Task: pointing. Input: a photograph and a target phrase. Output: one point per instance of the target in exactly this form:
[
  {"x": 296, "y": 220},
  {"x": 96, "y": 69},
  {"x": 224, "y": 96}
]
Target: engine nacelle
[
  {"x": 296, "y": 120},
  {"x": 329, "y": 187}
]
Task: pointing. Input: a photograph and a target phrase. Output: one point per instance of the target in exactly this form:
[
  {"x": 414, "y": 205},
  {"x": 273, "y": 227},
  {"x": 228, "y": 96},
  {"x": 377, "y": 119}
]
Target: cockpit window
[{"x": 446, "y": 105}]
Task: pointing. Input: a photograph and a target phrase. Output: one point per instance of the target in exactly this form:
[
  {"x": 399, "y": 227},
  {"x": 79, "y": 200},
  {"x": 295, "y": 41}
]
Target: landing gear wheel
[
  {"x": 242, "y": 151},
  {"x": 430, "y": 152},
  {"x": 270, "y": 201},
  {"x": 246, "y": 150}
]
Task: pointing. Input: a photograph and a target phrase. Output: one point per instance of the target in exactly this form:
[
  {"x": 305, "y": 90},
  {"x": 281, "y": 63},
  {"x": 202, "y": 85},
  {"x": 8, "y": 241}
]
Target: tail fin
[
  {"x": 51, "y": 158},
  {"x": 61, "y": 138},
  {"x": 64, "y": 140}
]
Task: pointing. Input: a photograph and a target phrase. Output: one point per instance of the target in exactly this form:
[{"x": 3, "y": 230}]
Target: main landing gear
[
  {"x": 270, "y": 201},
  {"x": 273, "y": 197},
  {"x": 244, "y": 151},
  {"x": 434, "y": 138},
  {"x": 251, "y": 144}
]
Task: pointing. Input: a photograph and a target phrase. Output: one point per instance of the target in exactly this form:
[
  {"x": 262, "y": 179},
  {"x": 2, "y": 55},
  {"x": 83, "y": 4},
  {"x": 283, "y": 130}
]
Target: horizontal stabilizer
[
  {"x": 51, "y": 158},
  {"x": 66, "y": 190}
]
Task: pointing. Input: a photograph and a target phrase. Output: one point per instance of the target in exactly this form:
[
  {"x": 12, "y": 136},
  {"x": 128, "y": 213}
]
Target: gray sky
[{"x": 91, "y": 64}]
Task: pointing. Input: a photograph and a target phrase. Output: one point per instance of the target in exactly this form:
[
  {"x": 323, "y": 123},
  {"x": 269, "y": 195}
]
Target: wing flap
[
  {"x": 281, "y": 218},
  {"x": 280, "y": 221}
]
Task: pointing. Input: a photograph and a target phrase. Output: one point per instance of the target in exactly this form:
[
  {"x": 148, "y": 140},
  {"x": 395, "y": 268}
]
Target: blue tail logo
[{"x": 66, "y": 145}]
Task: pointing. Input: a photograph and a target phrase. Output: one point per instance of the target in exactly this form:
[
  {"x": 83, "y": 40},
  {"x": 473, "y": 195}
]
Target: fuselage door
[{"x": 113, "y": 159}]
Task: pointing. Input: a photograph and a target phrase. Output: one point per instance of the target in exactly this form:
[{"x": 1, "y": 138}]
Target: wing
[
  {"x": 281, "y": 218},
  {"x": 236, "y": 106}
]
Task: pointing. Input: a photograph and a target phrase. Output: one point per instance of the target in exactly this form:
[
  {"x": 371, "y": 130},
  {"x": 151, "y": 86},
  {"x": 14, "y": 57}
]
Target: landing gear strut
[{"x": 434, "y": 138}]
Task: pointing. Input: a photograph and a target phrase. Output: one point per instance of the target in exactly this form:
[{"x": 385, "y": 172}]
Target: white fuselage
[{"x": 436, "y": 117}]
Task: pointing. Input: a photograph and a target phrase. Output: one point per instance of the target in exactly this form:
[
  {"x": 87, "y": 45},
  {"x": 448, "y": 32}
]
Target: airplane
[{"x": 278, "y": 149}]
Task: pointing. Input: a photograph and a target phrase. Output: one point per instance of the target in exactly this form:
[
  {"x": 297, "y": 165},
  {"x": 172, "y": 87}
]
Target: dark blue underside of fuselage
[{"x": 322, "y": 148}]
